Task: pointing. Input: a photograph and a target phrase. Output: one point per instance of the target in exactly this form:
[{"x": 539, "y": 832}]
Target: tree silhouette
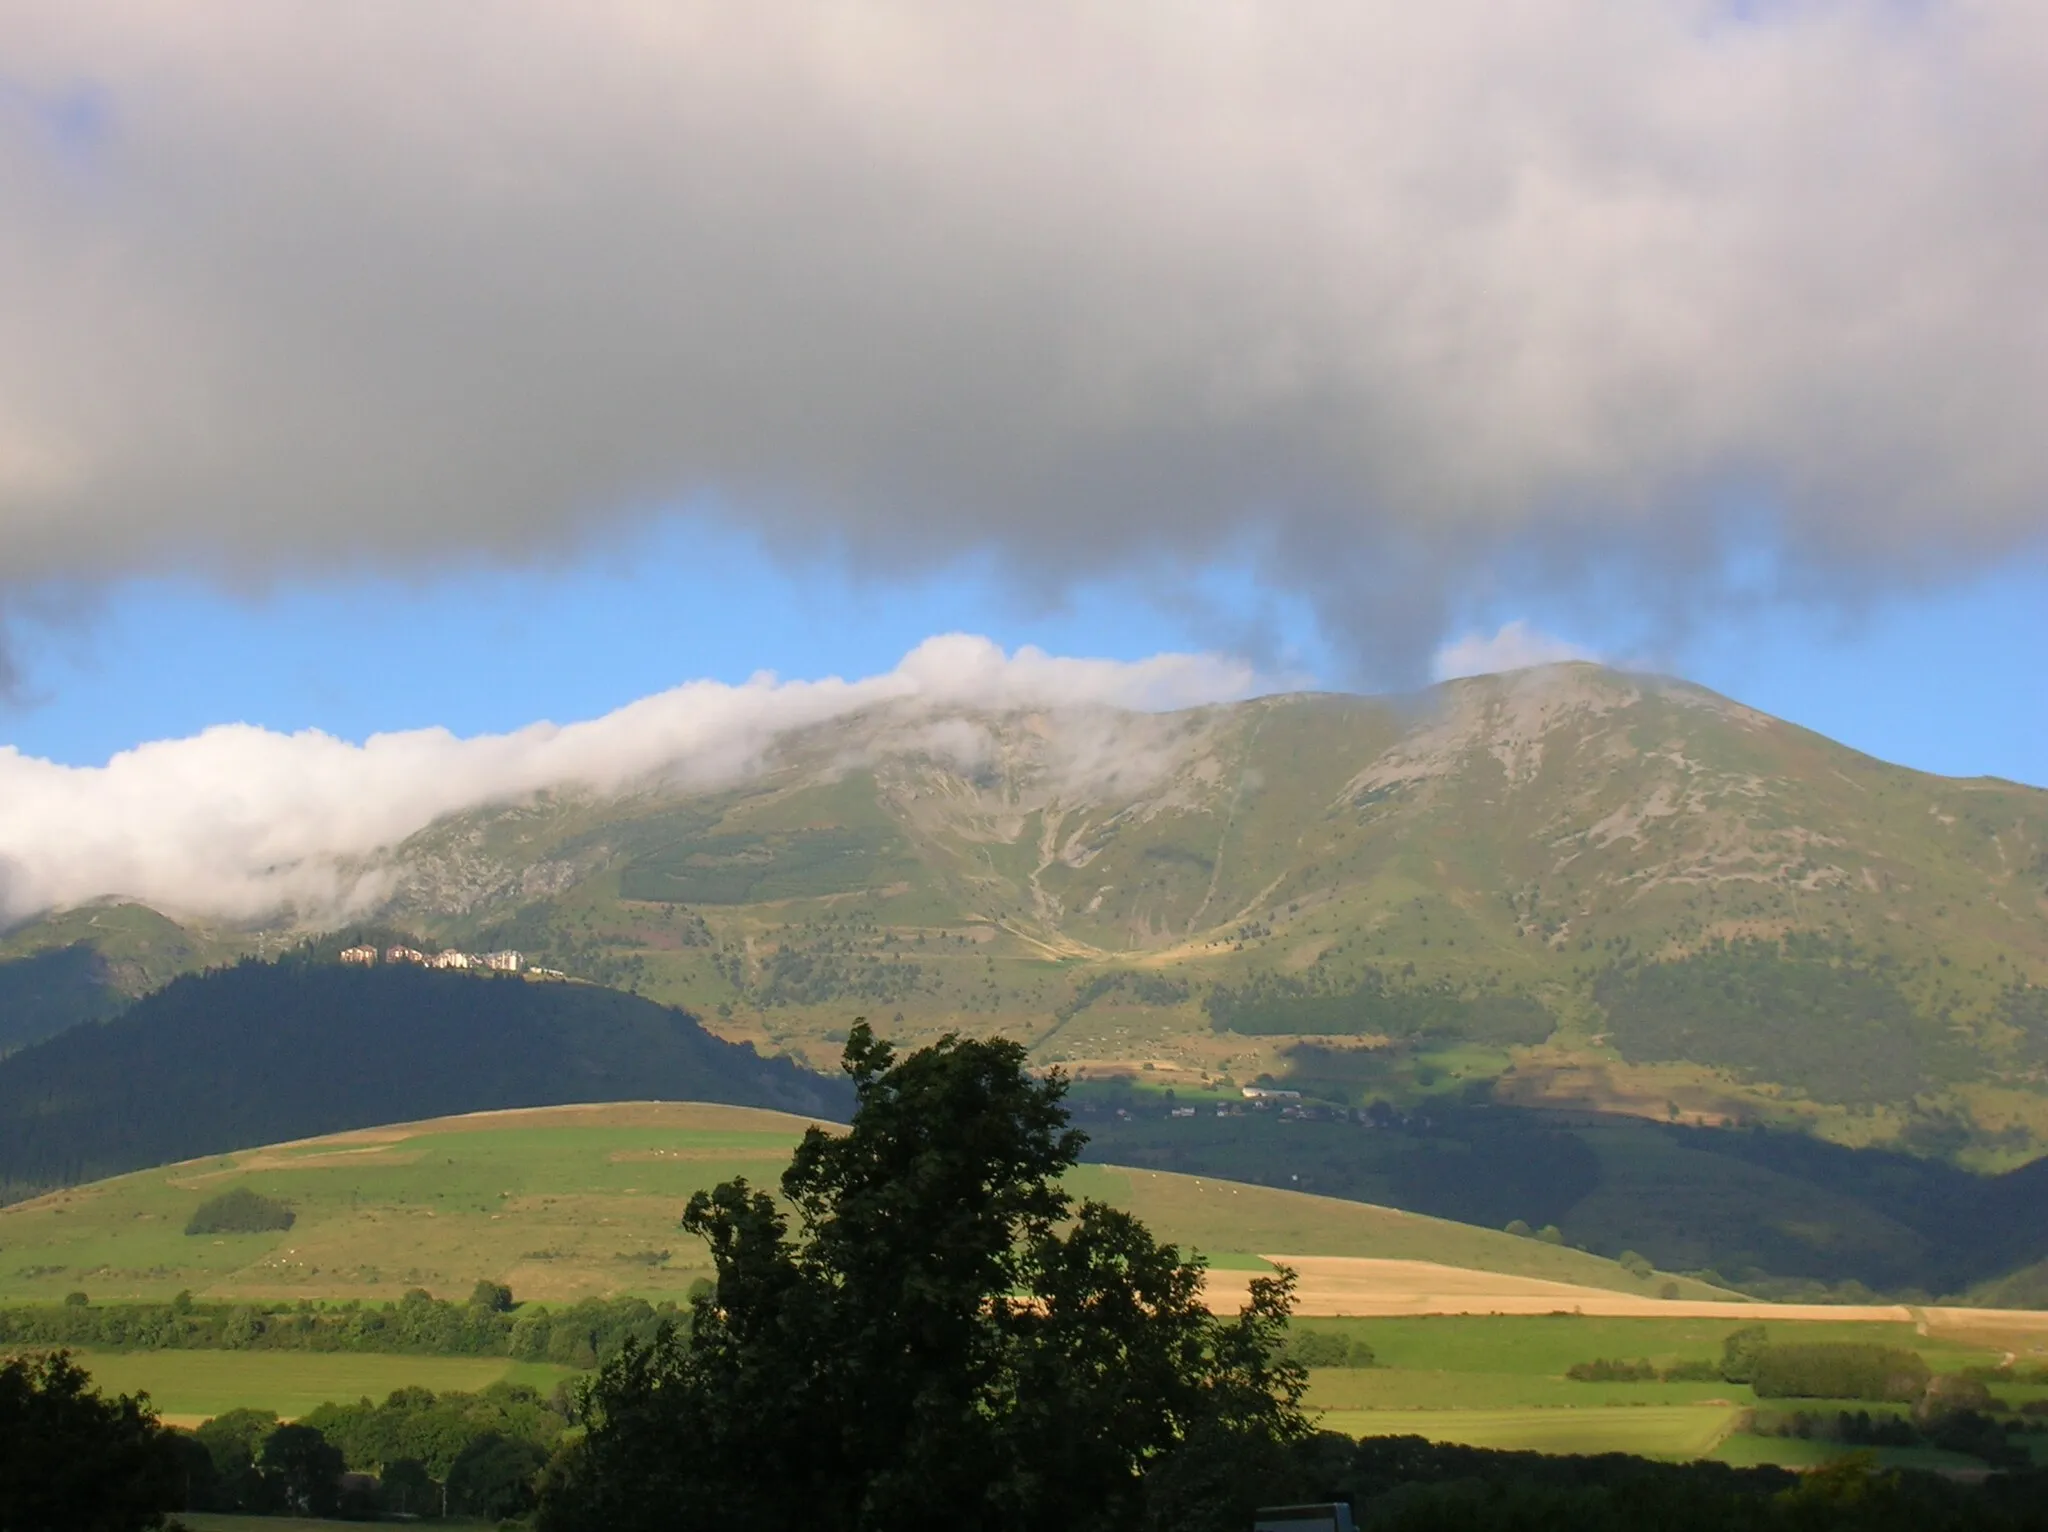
[{"x": 945, "y": 1340}]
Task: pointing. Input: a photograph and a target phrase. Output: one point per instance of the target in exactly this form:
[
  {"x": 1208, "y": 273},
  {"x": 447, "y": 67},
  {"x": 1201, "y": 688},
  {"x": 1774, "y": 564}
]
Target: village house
[
  {"x": 404, "y": 955},
  {"x": 366, "y": 956}
]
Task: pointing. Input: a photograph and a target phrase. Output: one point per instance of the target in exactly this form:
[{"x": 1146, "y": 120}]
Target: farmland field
[
  {"x": 1499, "y": 1381},
  {"x": 1473, "y": 1329},
  {"x": 1673, "y": 1431},
  {"x": 565, "y": 1203},
  {"x": 189, "y": 1386},
  {"x": 218, "y": 1521}
]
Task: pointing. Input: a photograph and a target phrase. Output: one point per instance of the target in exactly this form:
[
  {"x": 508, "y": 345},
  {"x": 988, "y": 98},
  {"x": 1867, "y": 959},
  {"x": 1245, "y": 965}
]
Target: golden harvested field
[{"x": 1364, "y": 1286}]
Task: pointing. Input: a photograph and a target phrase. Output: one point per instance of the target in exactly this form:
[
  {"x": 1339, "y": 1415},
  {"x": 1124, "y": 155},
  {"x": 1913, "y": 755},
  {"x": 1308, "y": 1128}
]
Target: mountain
[
  {"x": 261, "y": 1052},
  {"x": 87, "y": 965},
  {"x": 1571, "y": 886}
]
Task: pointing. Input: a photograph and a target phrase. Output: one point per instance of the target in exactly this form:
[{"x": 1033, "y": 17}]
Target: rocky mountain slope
[{"x": 1583, "y": 886}]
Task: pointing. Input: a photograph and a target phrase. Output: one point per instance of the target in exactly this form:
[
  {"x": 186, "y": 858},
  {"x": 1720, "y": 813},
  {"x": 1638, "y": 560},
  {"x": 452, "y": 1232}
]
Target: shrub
[
  {"x": 1693, "y": 1372},
  {"x": 1636, "y": 1265},
  {"x": 1616, "y": 1371},
  {"x": 239, "y": 1211},
  {"x": 1321, "y": 1348}
]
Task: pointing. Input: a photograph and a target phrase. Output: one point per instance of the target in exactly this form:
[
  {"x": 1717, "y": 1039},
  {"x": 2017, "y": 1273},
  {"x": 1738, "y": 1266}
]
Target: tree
[
  {"x": 303, "y": 1470},
  {"x": 233, "y": 1440},
  {"x": 945, "y": 1341},
  {"x": 408, "y": 1488},
  {"x": 74, "y": 1461},
  {"x": 494, "y": 1477}
]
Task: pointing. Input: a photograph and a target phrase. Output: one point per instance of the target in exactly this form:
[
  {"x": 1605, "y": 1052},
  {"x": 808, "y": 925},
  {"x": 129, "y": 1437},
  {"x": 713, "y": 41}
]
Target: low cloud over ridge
[
  {"x": 238, "y": 822},
  {"x": 1393, "y": 295}
]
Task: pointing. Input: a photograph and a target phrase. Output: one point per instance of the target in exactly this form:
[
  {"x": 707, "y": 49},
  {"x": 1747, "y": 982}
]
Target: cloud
[
  {"x": 1394, "y": 295},
  {"x": 1517, "y": 646},
  {"x": 240, "y": 822}
]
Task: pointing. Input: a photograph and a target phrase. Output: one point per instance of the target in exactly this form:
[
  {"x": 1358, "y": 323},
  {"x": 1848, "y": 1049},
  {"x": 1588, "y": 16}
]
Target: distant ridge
[{"x": 263, "y": 1052}]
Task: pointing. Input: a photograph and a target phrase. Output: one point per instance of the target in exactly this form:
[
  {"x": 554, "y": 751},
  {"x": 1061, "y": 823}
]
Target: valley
[{"x": 1453, "y": 1333}]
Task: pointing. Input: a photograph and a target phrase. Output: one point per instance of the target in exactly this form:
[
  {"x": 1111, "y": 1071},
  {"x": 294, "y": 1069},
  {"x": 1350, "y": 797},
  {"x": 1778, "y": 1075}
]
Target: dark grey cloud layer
[{"x": 1393, "y": 294}]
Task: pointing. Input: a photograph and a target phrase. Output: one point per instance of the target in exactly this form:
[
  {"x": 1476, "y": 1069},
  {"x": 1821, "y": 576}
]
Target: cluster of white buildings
[{"x": 501, "y": 962}]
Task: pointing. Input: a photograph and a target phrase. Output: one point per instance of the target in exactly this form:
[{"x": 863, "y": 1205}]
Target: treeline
[
  {"x": 1968, "y": 1432},
  {"x": 1277, "y": 1004},
  {"x": 416, "y": 1454},
  {"x": 579, "y": 1335},
  {"x": 1805, "y": 1013},
  {"x": 1838, "y": 1370},
  {"x": 1792, "y": 1370}
]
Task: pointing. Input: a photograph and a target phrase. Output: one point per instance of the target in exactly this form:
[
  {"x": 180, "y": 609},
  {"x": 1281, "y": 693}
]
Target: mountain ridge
[{"x": 1529, "y": 835}]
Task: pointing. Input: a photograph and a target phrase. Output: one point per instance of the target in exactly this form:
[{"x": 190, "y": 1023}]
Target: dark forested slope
[{"x": 262, "y": 1052}]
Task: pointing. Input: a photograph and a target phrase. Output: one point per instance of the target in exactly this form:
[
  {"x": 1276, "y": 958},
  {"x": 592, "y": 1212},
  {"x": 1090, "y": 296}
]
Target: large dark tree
[
  {"x": 72, "y": 1460},
  {"x": 944, "y": 1341}
]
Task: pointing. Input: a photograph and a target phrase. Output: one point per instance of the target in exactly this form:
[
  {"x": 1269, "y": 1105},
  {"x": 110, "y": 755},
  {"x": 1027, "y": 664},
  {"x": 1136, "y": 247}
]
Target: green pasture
[
  {"x": 219, "y": 1521},
  {"x": 576, "y": 1202},
  {"x": 1670, "y": 1431},
  {"x": 1499, "y": 1381},
  {"x": 1224, "y": 1216},
  {"x": 189, "y": 1386},
  {"x": 1544, "y": 1345}
]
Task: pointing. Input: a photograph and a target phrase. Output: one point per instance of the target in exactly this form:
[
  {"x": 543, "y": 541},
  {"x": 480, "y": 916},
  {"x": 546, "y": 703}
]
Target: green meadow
[
  {"x": 1670, "y": 1431},
  {"x": 1499, "y": 1381},
  {"x": 188, "y": 1386},
  {"x": 576, "y": 1202},
  {"x": 219, "y": 1521},
  {"x": 563, "y": 1204}
]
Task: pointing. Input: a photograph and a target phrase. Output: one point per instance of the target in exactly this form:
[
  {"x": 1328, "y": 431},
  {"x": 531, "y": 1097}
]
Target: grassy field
[
  {"x": 1486, "y": 1380},
  {"x": 216, "y": 1521},
  {"x": 1543, "y": 1346},
  {"x": 573, "y": 1202},
  {"x": 566, "y": 1203},
  {"x": 1673, "y": 1431},
  {"x": 189, "y": 1386},
  {"x": 1500, "y": 1382}
]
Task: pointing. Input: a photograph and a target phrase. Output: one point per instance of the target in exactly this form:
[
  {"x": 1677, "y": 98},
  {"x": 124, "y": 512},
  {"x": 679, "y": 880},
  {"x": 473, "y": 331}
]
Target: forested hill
[{"x": 262, "y": 1052}]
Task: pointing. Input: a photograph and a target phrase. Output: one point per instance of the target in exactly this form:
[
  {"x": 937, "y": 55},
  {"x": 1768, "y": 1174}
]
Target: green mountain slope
[
  {"x": 1636, "y": 894},
  {"x": 580, "y": 1201},
  {"x": 1594, "y": 889}
]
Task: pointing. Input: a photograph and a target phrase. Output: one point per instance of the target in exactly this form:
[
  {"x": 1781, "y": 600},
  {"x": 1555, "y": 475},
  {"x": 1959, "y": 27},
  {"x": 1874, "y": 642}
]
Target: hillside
[
  {"x": 1593, "y": 889},
  {"x": 569, "y": 1202},
  {"x": 1780, "y": 1214},
  {"x": 261, "y": 1052}
]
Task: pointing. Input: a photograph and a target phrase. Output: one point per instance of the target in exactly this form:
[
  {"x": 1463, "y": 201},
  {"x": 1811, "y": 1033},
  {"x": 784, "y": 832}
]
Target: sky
[{"x": 364, "y": 369}]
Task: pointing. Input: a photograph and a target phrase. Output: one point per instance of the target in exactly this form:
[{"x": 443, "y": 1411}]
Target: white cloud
[
  {"x": 1406, "y": 290},
  {"x": 1516, "y": 646},
  {"x": 239, "y": 822}
]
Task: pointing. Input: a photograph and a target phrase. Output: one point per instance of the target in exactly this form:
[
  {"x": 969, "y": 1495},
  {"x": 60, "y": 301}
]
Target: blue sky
[{"x": 1949, "y": 680}]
